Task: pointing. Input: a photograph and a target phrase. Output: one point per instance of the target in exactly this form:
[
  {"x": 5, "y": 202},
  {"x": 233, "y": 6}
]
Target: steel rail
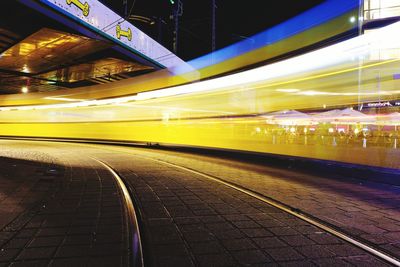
[
  {"x": 136, "y": 243},
  {"x": 295, "y": 212}
]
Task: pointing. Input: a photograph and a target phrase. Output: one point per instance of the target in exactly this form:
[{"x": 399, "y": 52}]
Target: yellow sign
[
  {"x": 84, "y": 7},
  {"x": 120, "y": 32}
]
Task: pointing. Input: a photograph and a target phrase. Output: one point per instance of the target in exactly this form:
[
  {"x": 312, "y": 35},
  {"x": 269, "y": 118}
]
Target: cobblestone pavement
[
  {"x": 58, "y": 209},
  {"x": 365, "y": 209},
  {"x": 185, "y": 219}
]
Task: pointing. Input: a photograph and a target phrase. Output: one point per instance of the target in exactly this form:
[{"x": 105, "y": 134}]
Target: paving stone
[
  {"x": 284, "y": 254},
  {"x": 300, "y": 263},
  {"x": 105, "y": 261},
  {"x": 170, "y": 250},
  {"x": 36, "y": 253},
  {"x": 270, "y": 223},
  {"x": 392, "y": 236},
  {"x": 280, "y": 231},
  {"x": 212, "y": 219},
  {"x": 236, "y": 217},
  {"x": 249, "y": 257},
  {"x": 206, "y": 212},
  {"x": 174, "y": 261},
  {"x": 212, "y": 247},
  {"x": 256, "y": 232},
  {"x": 108, "y": 249},
  {"x": 34, "y": 263},
  {"x": 230, "y": 234},
  {"x": 16, "y": 243},
  {"x": 238, "y": 244},
  {"x": 8, "y": 254},
  {"x": 269, "y": 242},
  {"x": 315, "y": 252},
  {"x": 168, "y": 234},
  {"x": 306, "y": 229},
  {"x": 193, "y": 228},
  {"x": 48, "y": 241},
  {"x": 259, "y": 216},
  {"x": 200, "y": 236},
  {"x": 79, "y": 262},
  {"x": 222, "y": 226},
  {"x": 331, "y": 262},
  {"x": 99, "y": 238},
  {"x": 297, "y": 240},
  {"x": 26, "y": 233},
  {"x": 324, "y": 238},
  {"x": 366, "y": 261},
  {"x": 52, "y": 232},
  {"x": 180, "y": 212},
  {"x": 217, "y": 260},
  {"x": 344, "y": 250},
  {"x": 389, "y": 227},
  {"x": 245, "y": 224},
  {"x": 187, "y": 220}
]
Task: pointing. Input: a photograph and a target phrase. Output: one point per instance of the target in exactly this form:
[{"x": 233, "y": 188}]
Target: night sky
[{"x": 236, "y": 20}]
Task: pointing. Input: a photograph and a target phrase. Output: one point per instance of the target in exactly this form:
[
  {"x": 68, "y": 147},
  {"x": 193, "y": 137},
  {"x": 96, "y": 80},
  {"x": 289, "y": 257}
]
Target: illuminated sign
[
  {"x": 97, "y": 16},
  {"x": 120, "y": 32},
  {"x": 82, "y": 6},
  {"x": 383, "y": 104}
]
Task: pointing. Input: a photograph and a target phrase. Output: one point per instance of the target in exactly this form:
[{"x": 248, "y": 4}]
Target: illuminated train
[{"x": 338, "y": 103}]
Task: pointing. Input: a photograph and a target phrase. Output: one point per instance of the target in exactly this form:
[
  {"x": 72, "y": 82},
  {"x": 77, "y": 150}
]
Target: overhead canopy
[
  {"x": 50, "y": 59},
  {"x": 47, "y": 51}
]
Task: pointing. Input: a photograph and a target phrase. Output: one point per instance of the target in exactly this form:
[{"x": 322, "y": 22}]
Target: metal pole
[
  {"x": 360, "y": 24},
  {"x": 177, "y": 13},
  {"x": 213, "y": 8},
  {"x": 159, "y": 33},
  {"x": 125, "y": 3},
  {"x": 176, "y": 30}
]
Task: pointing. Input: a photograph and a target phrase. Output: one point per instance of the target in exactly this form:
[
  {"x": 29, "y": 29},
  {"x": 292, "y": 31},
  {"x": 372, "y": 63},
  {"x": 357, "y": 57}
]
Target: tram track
[
  {"x": 119, "y": 165},
  {"x": 136, "y": 256},
  {"x": 362, "y": 244}
]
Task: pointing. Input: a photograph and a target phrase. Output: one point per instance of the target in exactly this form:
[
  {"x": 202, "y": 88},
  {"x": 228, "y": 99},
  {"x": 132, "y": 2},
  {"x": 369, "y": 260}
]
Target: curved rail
[
  {"x": 293, "y": 211},
  {"x": 136, "y": 259}
]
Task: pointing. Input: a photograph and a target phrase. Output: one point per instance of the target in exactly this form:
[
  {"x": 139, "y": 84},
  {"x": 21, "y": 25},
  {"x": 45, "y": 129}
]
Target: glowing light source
[
  {"x": 288, "y": 90},
  {"x": 65, "y": 99},
  {"x": 352, "y": 19},
  {"x": 24, "y": 89},
  {"x": 25, "y": 69}
]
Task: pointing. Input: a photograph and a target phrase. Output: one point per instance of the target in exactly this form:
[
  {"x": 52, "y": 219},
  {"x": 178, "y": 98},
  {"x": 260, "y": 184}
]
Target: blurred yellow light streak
[{"x": 307, "y": 106}]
